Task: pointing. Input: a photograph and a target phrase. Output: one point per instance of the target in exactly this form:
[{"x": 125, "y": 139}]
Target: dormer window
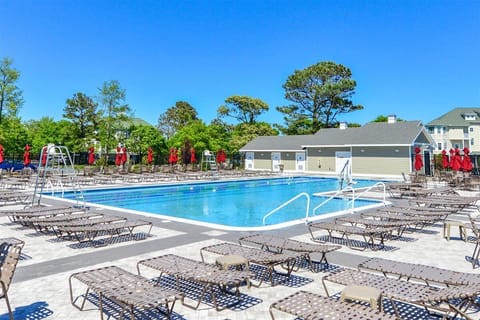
[{"x": 470, "y": 117}]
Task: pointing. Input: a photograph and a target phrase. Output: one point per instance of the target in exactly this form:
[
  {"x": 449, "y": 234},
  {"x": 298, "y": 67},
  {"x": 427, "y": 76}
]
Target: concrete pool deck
[{"x": 40, "y": 287}]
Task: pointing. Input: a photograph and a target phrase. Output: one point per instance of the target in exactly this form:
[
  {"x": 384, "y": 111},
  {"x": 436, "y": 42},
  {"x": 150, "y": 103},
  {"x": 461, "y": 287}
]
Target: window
[
  {"x": 439, "y": 146},
  {"x": 470, "y": 117},
  {"x": 431, "y": 130},
  {"x": 471, "y": 129},
  {"x": 472, "y": 142}
]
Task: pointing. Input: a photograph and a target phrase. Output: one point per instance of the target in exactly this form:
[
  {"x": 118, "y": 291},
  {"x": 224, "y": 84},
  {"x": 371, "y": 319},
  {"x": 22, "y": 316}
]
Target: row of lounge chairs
[
  {"x": 447, "y": 292},
  {"x": 212, "y": 280},
  {"x": 78, "y": 224}
]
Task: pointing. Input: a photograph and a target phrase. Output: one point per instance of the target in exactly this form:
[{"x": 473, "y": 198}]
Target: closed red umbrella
[
  {"x": 26, "y": 156},
  {"x": 150, "y": 155},
  {"x": 445, "y": 163},
  {"x": 44, "y": 155},
  {"x": 91, "y": 155},
  {"x": 467, "y": 162},
  {"x": 173, "y": 157},
  {"x": 124, "y": 155},
  {"x": 452, "y": 156},
  {"x": 1, "y": 153},
  {"x": 457, "y": 160},
  {"x": 221, "y": 157},
  {"x": 193, "y": 159},
  {"x": 418, "y": 159},
  {"x": 118, "y": 157}
]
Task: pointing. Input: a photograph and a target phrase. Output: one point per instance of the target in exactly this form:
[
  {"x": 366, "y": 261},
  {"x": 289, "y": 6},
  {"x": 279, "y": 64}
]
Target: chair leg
[
  {"x": 5, "y": 295},
  {"x": 475, "y": 255}
]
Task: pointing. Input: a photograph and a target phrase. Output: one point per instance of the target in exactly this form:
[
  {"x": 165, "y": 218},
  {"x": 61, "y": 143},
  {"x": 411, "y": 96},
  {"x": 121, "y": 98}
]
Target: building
[
  {"x": 375, "y": 149},
  {"x": 459, "y": 127}
]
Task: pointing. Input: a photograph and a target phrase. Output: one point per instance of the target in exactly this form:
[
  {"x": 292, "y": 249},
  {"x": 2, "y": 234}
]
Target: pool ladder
[
  {"x": 303, "y": 194},
  {"x": 306, "y": 195}
]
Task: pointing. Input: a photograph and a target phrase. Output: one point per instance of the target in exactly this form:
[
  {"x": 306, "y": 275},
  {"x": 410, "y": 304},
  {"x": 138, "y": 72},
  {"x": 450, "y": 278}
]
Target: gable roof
[
  {"x": 455, "y": 118},
  {"x": 275, "y": 143},
  {"x": 403, "y": 133}
]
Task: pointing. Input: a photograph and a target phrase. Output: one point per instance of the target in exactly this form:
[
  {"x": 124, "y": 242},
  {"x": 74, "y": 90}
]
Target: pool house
[{"x": 377, "y": 149}]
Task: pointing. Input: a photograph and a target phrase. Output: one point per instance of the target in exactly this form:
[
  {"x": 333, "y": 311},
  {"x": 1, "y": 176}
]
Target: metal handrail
[
  {"x": 332, "y": 197},
  {"x": 287, "y": 203},
  {"x": 375, "y": 185}
]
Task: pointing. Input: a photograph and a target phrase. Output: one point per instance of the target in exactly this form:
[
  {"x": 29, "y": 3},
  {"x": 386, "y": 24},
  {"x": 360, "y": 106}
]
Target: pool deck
[{"x": 40, "y": 287}]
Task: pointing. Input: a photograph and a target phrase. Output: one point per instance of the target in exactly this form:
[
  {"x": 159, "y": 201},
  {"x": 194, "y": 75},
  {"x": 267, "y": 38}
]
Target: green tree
[
  {"x": 176, "y": 117},
  {"x": 115, "y": 112},
  {"x": 142, "y": 137},
  {"x": 319, "y": 94},
  {"x": 81, "y": 110},
  {"x": 11, "y": 97},
  {"x": 13, "y": 136},
  {"x": 246, "y": 132},
  {"x": 244, "y": 109}
]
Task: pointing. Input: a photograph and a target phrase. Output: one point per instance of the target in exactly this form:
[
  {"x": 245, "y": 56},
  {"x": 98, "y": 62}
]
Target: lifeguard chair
[{"x": 208, "y": 161}]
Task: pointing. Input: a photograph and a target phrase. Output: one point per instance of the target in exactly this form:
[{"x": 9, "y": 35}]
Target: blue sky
[{"x": 416, "y": 59}]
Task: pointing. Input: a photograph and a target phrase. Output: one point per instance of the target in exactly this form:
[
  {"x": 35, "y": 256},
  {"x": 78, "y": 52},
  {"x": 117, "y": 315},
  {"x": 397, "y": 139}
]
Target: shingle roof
[
  {"x": 454, "y": 118},
  {"x": 373, "y": 133}
]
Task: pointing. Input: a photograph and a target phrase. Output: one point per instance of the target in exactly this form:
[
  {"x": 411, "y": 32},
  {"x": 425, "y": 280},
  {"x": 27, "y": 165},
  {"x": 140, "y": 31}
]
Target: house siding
[
  {"x": 322, "y": 160},
  {"x": 380, "y": 160}
]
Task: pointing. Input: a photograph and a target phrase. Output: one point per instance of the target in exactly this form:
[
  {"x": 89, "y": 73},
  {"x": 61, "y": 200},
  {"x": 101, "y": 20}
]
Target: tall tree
[
  {"x": 176, "y": 117},
  {"x": 115, "y": 111},
  {"x": 319, "y": 94},
  {"x": 81, "y": 110},
  {"x": 244, "y": 109},
  {"x": 11, "y": 97}
]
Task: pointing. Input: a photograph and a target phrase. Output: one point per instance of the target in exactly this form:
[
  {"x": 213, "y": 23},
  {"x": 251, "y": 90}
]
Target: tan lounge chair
[
  {"x": 90, "y": 232},
  {"x": 207, "y": 275},
  {"x": 308, "y": 305},
  {"x": 419, "y": 272},
  {"x": 437, "y": 299},
  {"x": 125, "y": 288},
  {"x": 369, "y": 235},
  {"x": 279, "y": 244},
  {"x": 9, "y": 256},
  {"x": 257, "y": 256}
]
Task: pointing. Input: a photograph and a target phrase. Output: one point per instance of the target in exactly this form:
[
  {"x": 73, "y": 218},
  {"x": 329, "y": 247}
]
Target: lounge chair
[
  {"x": 48, "y": 222},
  {"x": 207, "y": 275},
  {"x": 90, "y": 232},
  {"x": 416, "y": 221},
  {"x": 269, "y": 242},
  {"x": 125, "y": 288},
  {"x": 257, "y": 256},
  {"x": 438, "y": 299},
  {"x": 39, "y": 212},
  {"x": 419, "y": 272},
  {"x": 9, "y": 255},
  {"x": 367, "y": 234},
  {"x": 373, "y": 223},
  {"x": 308, "y": 305}
]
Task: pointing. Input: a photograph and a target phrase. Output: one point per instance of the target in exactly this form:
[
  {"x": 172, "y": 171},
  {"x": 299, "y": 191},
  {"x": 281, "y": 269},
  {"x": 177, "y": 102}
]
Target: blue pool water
[{"x": 228, "y": 203}]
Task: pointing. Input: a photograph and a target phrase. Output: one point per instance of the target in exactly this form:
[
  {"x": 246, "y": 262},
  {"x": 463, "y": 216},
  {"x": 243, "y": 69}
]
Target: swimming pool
[{"x": 241, "y": 203}]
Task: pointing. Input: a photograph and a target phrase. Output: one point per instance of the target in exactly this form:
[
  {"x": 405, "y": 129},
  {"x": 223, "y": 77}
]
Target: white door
[
  {"x": 300, "y": 161},
  {"x": 276, "y": 161},
  {"x": 341, "y": 158},
  {"x": 249, "y": 164}
]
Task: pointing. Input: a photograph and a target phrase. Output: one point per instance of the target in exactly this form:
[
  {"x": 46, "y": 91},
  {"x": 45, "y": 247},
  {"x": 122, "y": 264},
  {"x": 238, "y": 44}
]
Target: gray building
[{"x": 377, "y": 149}]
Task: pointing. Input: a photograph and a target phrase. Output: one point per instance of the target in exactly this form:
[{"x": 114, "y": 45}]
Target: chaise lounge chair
[
  {"x": 269, "y": 242},
  {"x": 438, "y": 299},
  {"x": 415, "y": 271},
  {"x": 367, "y": 234},
  {"x": 257, "y": 256},
  {"x": 10, "y": 249},
  {"x": 125, "y": 288},
  {"x": 90, "y": 232},
  {"x": 207, "y": 275},
  {"x": 311, "y": 306}
]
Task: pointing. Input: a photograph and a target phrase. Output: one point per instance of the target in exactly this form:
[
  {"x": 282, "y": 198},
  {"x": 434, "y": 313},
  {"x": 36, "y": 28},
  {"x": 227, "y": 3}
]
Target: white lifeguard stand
[
  {"x": 208, "y": 161},
  {"x": 55, "y": 171}
]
